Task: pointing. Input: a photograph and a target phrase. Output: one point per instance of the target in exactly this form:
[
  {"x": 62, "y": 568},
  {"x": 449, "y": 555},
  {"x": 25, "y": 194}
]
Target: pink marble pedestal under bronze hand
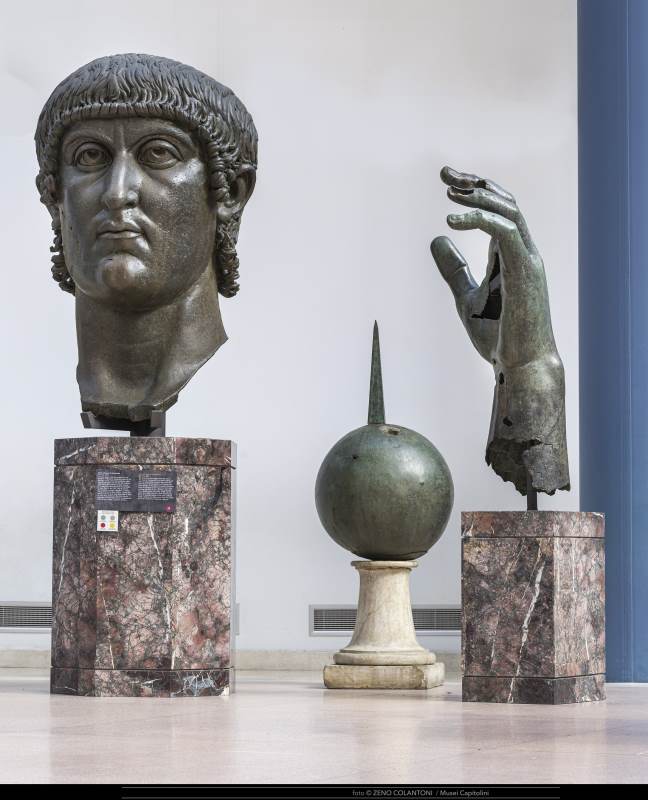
[
  {"x": 533, "y": 606},
  {"x": 145, "y": 610}
]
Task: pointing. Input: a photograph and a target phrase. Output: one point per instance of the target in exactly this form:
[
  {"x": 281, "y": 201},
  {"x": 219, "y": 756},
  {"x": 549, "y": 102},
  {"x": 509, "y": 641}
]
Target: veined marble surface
[
  {"x": 533, "y": 599},
  {"x": 139, "y": 683},
  {"x": 122, "y": 450},
  {"x": 155, "y": 597},
  {"x": 506, "y": 524}
]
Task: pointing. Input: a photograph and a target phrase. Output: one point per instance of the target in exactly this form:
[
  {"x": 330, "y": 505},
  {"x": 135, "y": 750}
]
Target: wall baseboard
[
  {"x": 299, "y": 660},
  {"x": 24, "y": 659}
]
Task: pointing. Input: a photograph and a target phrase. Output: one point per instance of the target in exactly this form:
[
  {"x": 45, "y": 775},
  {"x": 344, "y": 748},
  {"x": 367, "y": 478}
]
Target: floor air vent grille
[
  {"x": 339, "y": 620},
  {"x": 25, "y": 615}
]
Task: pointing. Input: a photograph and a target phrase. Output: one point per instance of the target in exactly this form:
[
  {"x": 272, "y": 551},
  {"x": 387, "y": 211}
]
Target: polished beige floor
[{"x": 284, "y": 727}]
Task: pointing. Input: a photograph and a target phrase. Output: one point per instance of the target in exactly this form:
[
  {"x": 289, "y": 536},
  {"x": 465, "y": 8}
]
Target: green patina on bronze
[
  {"x": 376, "y": 398},
  {"x": 508, "y": 320},
  {"x": 384, "y": 492},
  {"x": 145, "y": 166}
]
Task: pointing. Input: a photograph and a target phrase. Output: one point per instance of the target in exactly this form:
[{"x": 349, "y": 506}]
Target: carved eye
[
  {"x": 159, "y": 154},
  {"x": 91, "y": 156}
]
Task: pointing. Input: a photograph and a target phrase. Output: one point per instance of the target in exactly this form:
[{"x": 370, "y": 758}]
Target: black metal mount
[
  {"x": 154, "y": 426},
  {"x": 531, "y": 495}
]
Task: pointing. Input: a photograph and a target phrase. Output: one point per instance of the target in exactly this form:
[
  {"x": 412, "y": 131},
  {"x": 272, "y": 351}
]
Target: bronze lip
[{"x": 117, "y": 229}]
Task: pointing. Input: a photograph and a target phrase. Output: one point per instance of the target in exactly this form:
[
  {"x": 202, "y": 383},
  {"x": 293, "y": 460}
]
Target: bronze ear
[{"x": 240, "y": 191}]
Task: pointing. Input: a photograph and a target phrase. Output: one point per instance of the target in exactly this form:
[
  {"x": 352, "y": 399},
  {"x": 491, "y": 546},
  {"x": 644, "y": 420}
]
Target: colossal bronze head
[{"x": 146, "y": 165}]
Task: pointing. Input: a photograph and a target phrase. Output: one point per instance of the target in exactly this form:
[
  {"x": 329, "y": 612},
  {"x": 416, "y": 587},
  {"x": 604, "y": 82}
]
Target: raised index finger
[{"x": 467, "y": 181}]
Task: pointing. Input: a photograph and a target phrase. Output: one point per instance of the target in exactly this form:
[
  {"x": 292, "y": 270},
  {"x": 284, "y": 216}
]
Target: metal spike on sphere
[{"x": 376, "y": 399}]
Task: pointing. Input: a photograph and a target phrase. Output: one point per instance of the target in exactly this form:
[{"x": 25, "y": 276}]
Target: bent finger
[
  {"x": 488, "y": 201},
  {"x": 503, "y": 230},
  {"x": 465, "y": 180}
]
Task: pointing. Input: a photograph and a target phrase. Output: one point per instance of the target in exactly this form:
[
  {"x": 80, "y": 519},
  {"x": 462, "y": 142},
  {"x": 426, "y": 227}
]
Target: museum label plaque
[{"x": 146, "y": 491}]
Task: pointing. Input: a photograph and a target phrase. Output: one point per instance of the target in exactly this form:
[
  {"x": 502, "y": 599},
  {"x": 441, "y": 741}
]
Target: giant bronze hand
[{"x": 508, "y": 320}]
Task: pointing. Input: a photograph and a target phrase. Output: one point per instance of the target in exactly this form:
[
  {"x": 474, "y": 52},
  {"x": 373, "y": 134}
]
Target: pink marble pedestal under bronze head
[
  {"x": 144, "y": 610},
  {"x": 533, "y": 606}
]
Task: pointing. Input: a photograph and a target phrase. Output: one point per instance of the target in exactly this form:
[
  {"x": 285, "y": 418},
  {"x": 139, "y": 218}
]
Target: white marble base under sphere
[
  {"x": 383, "y": 652},
  {"x": 420, "y": 676}
]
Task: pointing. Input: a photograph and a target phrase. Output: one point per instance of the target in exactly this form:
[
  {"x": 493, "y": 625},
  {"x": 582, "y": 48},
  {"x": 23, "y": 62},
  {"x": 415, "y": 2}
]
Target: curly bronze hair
[{"x": 142, "y": 85}]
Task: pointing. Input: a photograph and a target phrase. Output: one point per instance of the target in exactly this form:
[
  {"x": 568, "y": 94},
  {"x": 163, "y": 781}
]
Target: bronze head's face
[
  {"x": 155, "y": 145},
  {"x": 145, "y": 166},
  {"x": 137, "y": 223}
]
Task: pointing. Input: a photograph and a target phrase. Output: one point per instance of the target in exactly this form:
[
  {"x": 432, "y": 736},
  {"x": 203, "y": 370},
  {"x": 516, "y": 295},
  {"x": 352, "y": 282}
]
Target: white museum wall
[{"x": 358, "y": 105}]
